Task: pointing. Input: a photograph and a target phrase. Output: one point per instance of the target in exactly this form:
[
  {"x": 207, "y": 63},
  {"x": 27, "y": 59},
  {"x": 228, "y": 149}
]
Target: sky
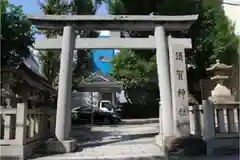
[
  {"x": 32, "y": 7},
  {"x": 233, "y": 13}
]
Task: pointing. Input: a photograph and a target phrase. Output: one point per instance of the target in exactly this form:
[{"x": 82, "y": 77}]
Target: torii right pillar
[{"x": 172, "y": 79}]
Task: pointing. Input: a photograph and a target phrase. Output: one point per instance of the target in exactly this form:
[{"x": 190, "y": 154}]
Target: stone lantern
[{"x": 220, "y": 93}]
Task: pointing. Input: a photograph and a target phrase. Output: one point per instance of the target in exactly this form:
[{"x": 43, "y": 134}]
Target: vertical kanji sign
[{"x": 179, "y": 88}]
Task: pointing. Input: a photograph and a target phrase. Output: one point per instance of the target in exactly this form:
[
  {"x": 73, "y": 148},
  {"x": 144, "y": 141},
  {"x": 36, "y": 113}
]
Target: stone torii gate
[{"x": 169, "y": 126}]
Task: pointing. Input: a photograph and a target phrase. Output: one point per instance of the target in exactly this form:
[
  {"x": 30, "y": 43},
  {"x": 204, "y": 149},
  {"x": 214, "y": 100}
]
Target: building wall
[
  {"x": 101, "y": 59},
  {"x": 84, "y": 98}
]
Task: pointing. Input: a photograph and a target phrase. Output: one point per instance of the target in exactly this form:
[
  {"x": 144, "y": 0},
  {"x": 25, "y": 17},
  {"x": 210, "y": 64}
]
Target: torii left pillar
[{"x": 63, "y": 143}]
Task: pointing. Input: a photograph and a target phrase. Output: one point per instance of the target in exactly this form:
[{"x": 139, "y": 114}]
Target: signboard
[{"x": 179, "y": 88}]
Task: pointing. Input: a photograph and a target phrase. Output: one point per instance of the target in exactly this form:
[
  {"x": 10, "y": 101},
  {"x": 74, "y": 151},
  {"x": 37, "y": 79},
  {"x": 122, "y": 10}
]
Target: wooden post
[
  {"x": 41, "y": 124},
  {"x": 21, "y": 123},
  {"x": 13, "y": 104},
  {"x": 114, "y": 98},
  {"x": 1, "y": 121},
  {"x": 52, "y": 122}
]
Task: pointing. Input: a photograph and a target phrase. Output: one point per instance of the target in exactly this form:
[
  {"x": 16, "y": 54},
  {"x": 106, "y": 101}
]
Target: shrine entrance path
[
  {"x": 117, "y": 142},
  {"x": 112, "y": 142}
]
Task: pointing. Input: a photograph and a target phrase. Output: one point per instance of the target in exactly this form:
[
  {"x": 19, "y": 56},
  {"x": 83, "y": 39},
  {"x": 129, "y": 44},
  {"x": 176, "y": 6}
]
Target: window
[
  {"x": 86, "y": 109},
  {"x": 82, "y": 109},
  {"x": 104, "y": 59}
]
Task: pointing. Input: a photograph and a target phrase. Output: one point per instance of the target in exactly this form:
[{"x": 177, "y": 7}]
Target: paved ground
[
  {"x": 108, "y": 142},
  {"x": 140, "y": 121},
  {"x": 122, "y": 142}
]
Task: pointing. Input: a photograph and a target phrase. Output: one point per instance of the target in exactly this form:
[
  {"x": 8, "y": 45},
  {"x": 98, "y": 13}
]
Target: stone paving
[
  {"x": 122, "y": 142},
  {"x": 118, "y": 142}
]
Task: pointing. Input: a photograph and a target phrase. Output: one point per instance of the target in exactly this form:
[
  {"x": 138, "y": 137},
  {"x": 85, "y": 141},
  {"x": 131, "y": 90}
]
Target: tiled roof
[{"x": 99, "y": 76}]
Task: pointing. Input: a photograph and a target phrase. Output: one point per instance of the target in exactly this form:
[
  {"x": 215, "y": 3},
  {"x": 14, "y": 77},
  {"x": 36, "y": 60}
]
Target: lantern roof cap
[{"x": 219, "y": 66}]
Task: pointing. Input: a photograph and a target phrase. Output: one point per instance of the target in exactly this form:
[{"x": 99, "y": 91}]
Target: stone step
[
  {"x": 139, "y": 121},
  {"x": 119, "y": 157},
  {"x": 139, "y": 157}
]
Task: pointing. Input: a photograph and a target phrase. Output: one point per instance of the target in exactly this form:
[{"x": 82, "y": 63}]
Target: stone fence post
[
  {"x": 196, "y": 119},
  {"x": 21, "y": 123},
  {"x": 209, "y": 124}
]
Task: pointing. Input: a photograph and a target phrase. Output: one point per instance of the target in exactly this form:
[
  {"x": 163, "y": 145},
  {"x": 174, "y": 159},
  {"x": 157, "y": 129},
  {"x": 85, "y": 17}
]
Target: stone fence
[
  {"x": 21, "y": 129},
  {"x": 218, "y": 124}
]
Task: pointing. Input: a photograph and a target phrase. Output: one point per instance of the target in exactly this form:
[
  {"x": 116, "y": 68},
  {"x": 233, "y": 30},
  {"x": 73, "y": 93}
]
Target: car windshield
[
  {"x": 80, "y": 108},
  {"x": 108, "y": 105}
]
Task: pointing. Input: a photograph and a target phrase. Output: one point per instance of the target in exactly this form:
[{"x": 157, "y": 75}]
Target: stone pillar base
[
  {"x": 164, "y": 143},
  {"x": 160, "y": 141},
  {"x": 66, "y": 146}
]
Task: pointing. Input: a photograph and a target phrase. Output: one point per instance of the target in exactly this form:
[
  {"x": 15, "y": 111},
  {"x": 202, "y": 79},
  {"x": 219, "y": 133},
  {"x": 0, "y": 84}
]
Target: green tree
[
  {"x": 147, "y": 57},
  {"x": 212, "y": 34},
  {"x": 136, "y": 73},
  {"x": 16, "y": 34},
  {"x": 50, "y": 61},
  {"x": 213, "y": 38},
  {"x": 134, "y": 70},
  {"x": 81, "y": 65},
  {"x": 50, "y": 66}
]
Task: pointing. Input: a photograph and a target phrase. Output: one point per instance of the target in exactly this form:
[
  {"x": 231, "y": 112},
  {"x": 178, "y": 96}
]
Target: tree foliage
[
  {"x": 75, "y": 7},
  {"x": 16, "y": 34},
  {"x": 138, "y": 74},
  {"x": 50, "y": 66},
  {"x": 212, "y": 34},
  {"x": 213, "y": 38},
  {"x": 133, "y": 70}
]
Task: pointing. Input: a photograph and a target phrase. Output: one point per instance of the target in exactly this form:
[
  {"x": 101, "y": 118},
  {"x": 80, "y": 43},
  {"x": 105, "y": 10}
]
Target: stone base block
[
  {"x": 159, "y": 140},
  {"x": 66, "y": 146},
  {"x": 184, "y": 146},
  {"x": 164, "y": 143}
]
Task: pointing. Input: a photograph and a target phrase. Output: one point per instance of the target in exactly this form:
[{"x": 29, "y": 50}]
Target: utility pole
[{"x": 92, "y": 115}]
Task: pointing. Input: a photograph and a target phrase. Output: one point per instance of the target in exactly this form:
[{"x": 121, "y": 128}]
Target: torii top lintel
[{"x": 118, "y": 23}]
